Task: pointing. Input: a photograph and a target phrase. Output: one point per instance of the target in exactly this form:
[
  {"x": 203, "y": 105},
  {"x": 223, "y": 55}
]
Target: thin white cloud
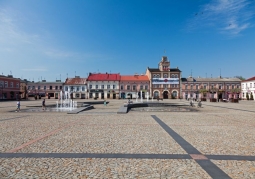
[{"x": 227, "y": 16}]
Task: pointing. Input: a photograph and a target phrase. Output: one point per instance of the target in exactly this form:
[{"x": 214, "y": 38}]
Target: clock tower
[{"x": 164, "y": 64}]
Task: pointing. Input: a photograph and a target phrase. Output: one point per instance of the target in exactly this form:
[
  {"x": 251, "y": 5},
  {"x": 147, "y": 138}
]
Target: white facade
[
  {"x": 248, "y": 87},
  {"x": 78, "y": 91},
  {"x": 103, "y": 89}
]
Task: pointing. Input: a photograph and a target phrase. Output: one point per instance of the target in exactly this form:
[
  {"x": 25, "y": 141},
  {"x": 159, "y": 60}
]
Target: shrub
[
  {"x": 252, "y": 97},
  {"x": 247, "y": 96}
]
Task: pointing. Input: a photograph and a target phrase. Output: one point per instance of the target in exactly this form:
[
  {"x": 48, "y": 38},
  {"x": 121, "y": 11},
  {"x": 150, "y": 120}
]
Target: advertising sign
[{"x": 165, "y": 80}]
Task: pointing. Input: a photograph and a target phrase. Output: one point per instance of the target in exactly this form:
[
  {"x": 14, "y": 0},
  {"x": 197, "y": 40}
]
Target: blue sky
[{"x": 46, "y": 39}]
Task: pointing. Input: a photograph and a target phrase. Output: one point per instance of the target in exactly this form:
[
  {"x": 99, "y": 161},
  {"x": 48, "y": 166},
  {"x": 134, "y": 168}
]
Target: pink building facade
[
  {"x": 208, "y": 88},
  {"x": 133, "y": 86}
]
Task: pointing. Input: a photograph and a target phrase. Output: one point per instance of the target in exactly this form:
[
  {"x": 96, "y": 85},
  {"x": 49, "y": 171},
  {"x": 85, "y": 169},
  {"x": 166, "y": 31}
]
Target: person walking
[
  {"x": 43, "y": 104},
  {"x": 18, "y": 106}
]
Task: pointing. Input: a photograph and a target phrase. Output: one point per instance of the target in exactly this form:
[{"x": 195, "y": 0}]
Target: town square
[{"x": 117, "y": 89}]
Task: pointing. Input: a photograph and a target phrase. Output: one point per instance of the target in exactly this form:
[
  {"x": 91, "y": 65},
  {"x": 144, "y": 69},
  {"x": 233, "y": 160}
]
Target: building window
[
  {"x": 243, "y": 95},
  {"x": 219, "y": 86},
  {"x": 176, "y": 76},
  {"x": 164, "y": 85},
  {"x": 113, "y": 86},
  {"x": 243, "y": 85},
  {"x": 60, "y": 87},
  {"x": 90, "y": 86},
  {"x": 77, "y": 95},
  {"x": 250, "y": 85},
  {"x": 83, "y": 88},
  {"x": 154, "y": 75},
  {"x": 39, "y": 87},
  {"x": 102, "y": 86},
  {"x": 176, "y": 86},
  {"x": 56, "y": 87},
  {"x": 254, "y": 85},
  {"x": 11, "y": 85},
  {"x": 191, "y": 87},
  {"x": 44, "y": 87},
  {"x": 50, "y": 87},
  {"x": 96, "y": 86},
  {"x": 141, "y": 87},
  {"x": 186, "y": 86},
  {"x": 6, "y": 84},
  {"x": 66, "y": 88},
  {"x": 146, "y": 87},
  {"x": 205, "y": 86},
  {"x": 28, "y": 88},
  {"x": 108, "y": 86},
  {"x": 165, "y": 75},
  {"x": 158, "y": 75},
  {"x": 33, "y": 88},
  {"x": 172, "y": 76},
  {"x": 233, "y": 86},
  {"x": 134, "y": 87},
  {"x": 121, "y": 87},
  {"x": 78, "y": 88},
  {"x": 228, "y": 87},
  {"x": 196, "y": 86},
  {"x": 17, "y": 85},
  {"x": 128, "y": 87},
  {"x": 237, "y": 86}
]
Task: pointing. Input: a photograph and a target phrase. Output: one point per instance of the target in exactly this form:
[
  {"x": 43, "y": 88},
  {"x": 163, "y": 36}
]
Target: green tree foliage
[
  {"x": 240, "y": 77},
  {"x": 252, "y": 97},
  {"x": 247, "y": 96}
]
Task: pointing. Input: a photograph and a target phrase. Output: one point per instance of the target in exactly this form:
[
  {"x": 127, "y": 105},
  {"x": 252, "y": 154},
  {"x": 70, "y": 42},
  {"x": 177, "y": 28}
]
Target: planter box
[
  {"x": 213, "y": 100},
  {"x": 235, "y": 101}
]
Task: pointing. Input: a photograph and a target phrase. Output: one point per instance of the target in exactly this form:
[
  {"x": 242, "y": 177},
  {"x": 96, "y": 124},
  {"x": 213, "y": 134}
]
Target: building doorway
[
  {"x": 114, "y": 95},
  {"x": 102, "y": 95},
  {"x": 122, "y": 95},
  {"x": 165, "y": 94},
  {"x": 156, "y": 94},
  {"x": 174, "y": 94}
]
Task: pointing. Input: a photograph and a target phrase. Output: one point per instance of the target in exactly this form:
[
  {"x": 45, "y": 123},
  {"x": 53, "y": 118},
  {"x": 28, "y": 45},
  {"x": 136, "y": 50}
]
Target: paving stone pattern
[{"x": 220, "y": 129}]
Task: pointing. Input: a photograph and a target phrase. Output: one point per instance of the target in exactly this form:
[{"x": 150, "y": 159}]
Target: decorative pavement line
[
  {"x": 126, "y": 156},
  {"x": 95, "y": 155},
  {"x": 207, "y": 165},
  {"x": 39, "y": 138},
  {"x": 13, "y": 118}
]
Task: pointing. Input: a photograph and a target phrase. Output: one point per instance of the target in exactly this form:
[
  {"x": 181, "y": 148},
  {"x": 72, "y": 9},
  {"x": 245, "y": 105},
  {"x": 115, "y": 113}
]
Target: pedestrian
[
  {"x": 18, "y": 106},
  {"x": 105, "y": 103},
  {"x": 43, "y": 104}
]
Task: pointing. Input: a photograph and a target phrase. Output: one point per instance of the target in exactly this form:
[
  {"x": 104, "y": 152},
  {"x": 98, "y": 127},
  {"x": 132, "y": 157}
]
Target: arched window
[
  {"x": 172, "y": 76},
  {"x": 176, "y": 76},
  {"x": 165, "y": 75},
  {"x": 158, "y": 76}
]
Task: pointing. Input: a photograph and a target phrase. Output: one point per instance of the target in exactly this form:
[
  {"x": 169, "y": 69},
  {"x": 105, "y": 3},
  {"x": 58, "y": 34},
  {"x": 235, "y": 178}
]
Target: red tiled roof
[
  {"x": 75, "y": 81},
  {"x": 104, "y": 77},
  {"x": 249, "y": 79},
  {"x": 134, "y": 78}
]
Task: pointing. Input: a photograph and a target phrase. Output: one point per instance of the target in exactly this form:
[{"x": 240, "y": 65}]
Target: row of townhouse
[{"x": 163, "y": 82}]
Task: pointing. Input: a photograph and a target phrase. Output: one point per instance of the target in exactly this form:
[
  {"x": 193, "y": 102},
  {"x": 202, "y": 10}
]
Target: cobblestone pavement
[{"x": 216, "y": 141}]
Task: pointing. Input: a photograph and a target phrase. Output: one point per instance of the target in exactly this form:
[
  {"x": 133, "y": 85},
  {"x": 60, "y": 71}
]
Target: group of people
[{"x": 18, "y": 106}]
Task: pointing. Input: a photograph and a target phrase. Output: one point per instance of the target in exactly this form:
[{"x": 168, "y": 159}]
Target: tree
[
  {"x": 247, "y": 96},
  {"x": 240, "y": 77},
  {"x": 252, "y": 97},
  {"x": 203, "y": 92}
]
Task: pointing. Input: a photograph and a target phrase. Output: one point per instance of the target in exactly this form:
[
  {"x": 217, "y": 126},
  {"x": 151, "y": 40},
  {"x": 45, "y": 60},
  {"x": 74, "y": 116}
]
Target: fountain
[
  {"x": 147, "y": 93},
  {"x": 141, "y": 93},
  {"x": 65, "y": 102}
]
